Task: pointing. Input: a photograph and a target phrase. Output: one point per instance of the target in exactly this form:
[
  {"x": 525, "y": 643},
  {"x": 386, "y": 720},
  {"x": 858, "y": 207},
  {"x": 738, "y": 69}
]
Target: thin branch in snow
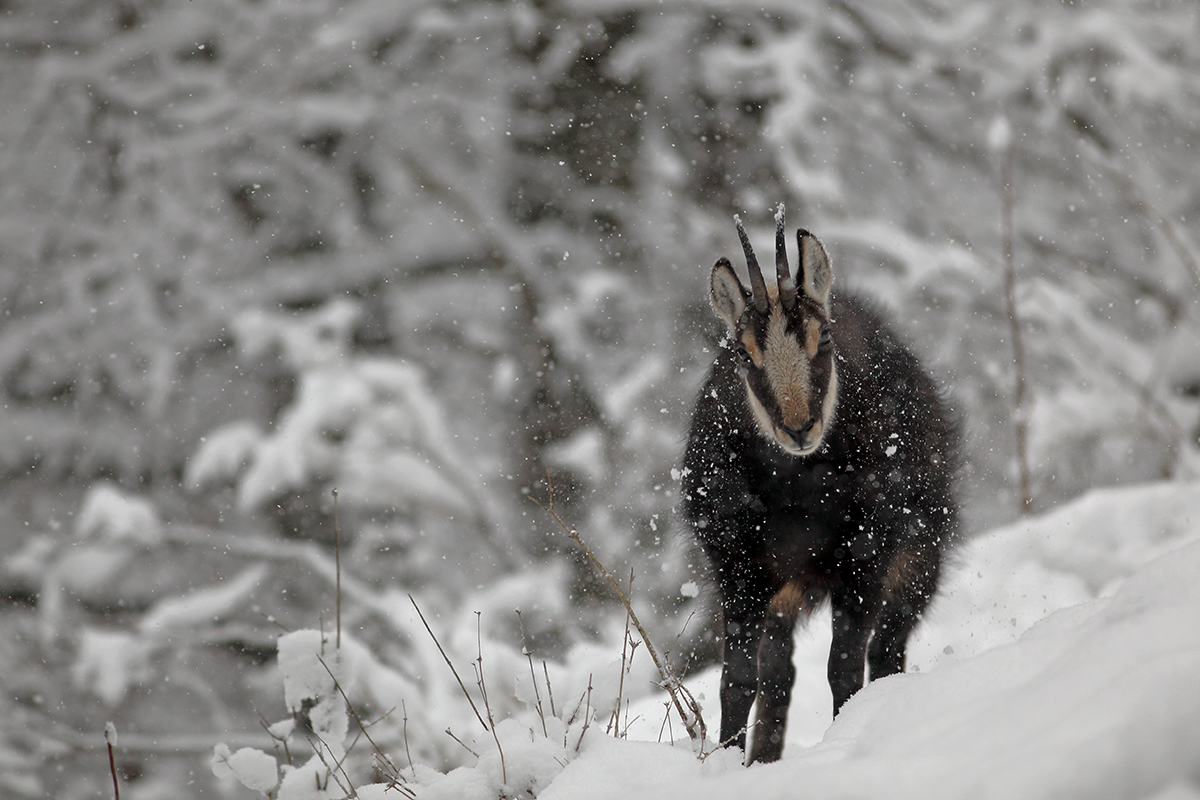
[
  {"x": 685, "y": 704},
  {"x": 332, "y": 770},
  {"x": 278, "y": 740},
  {"x": 404, "y": 729},
  {"x": 532, "y": 675},
  {"x": 337, "y": 561},
  {"x": 110, "y": 738},
  {"x": 483, "y": 690},
  {"x": 614, "y": 721},
  {"x": 461, "y": 742},
  {"x": 461, "y": 685},
  {"x": 1002, "y": 142},
  {"x": 587, "y": 715},
  {"x": 363, "y": 727},
  {"x": 549, "y": 690}
]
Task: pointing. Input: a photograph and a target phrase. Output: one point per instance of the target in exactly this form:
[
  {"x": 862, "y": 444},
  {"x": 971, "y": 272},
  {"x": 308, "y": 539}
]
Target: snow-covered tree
[{"x": 432, "y": 254}]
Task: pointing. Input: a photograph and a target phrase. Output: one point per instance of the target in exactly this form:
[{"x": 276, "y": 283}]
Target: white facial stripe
[
  {"x": 829, "y": 404},
  {"x": 760, "y": 414}
]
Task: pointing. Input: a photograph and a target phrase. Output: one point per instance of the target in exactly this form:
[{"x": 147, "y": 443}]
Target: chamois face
[{"x": 781, "y": 336}]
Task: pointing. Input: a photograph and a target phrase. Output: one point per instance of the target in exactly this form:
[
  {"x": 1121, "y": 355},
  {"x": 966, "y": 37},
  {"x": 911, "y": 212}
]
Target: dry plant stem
[
  {"x": 112, "y": 763},
  {"x": 1014, "y": 326},
  {"x": 337, "y": 685},
  {"x": 680, "y": 696},
  {"x": 461, "y": 685},
  {"x": 532, "y": 675},
  {"x": 549, "y": 690},
  {"x": 407, "y": 752},
  {"x": 487, "y": 706},
  {"x": 337, "y": 560},
  {"x": 587, "y": 716},
  {"x": 461, "y": 742},
  {"x": 614, "y": 721},
  {"x": 629, "y": 722},
  {"x": 633, "y": 645},
  {"x": 333, "y": 770},
  {"x": 266, "y": 726},
  {"x": 679, "y": 636}
]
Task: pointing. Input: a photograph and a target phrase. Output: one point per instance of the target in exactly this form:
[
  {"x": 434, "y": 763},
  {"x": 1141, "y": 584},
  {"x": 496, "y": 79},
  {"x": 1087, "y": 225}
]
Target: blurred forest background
[{"x": 428, "y": 253}]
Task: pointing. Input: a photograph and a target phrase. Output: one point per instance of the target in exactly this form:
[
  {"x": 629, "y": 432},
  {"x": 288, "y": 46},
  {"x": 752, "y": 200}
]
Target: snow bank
[{"x": 1062, "y": 661}]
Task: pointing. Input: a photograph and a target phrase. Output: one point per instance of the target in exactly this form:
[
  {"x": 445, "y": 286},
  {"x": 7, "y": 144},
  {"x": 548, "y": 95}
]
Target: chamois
[{"x": 819, "y": 465}]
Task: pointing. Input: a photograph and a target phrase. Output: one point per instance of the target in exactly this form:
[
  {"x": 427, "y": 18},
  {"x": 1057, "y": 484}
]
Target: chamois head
[{"x": 781, "y": 336}]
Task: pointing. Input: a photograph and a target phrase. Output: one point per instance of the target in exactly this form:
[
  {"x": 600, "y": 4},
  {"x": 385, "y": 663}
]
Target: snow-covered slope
[{"x": 1063, "y": 660}]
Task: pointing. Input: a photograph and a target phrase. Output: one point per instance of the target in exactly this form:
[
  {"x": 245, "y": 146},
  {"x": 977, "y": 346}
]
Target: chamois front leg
[
  {"x": 848, "y": 652},
  {"x": 744, "y": 598},
  {"x": 776, "y": 674}
]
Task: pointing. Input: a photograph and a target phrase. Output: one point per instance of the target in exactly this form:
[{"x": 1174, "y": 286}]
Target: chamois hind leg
[
  {"x": 910, "y": 584},
  {"x": 744, "y": 597},
  {"x": 776, "y": 674}
]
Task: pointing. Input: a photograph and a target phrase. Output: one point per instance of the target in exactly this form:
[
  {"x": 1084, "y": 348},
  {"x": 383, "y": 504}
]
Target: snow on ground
[{"x": 1062, "y": 660}]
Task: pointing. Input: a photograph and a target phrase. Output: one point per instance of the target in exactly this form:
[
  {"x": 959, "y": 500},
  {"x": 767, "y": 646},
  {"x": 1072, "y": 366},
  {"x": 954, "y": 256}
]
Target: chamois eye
[
  {"x": 743, "y": 356},
  {"x": 824, "y": 340}
]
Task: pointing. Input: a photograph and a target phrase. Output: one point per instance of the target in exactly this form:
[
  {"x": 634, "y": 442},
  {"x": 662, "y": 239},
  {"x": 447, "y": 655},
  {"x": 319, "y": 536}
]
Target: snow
[
  {"x": 304, "y": 659},
  {"x": 108, "y": 663},
  {"x": 1060, "y": 661},
  {"x": 253, "y": 768},
  {"x": 203, "y": 605},
  {"x": 1097, "y": 700},
  {"x": 223, "y": 453},
  {"x": 108, "y": 512}
]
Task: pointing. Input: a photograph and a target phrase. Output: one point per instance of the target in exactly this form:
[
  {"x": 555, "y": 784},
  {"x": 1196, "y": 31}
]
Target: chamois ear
[
  {"x": 728, "y": 295},
  {"x": 816, "y": 276}
]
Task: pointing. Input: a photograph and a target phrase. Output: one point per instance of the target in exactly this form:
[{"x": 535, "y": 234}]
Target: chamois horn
[
  {"x": 758, "y": 287},
  {"x": 783, "y": 274}
]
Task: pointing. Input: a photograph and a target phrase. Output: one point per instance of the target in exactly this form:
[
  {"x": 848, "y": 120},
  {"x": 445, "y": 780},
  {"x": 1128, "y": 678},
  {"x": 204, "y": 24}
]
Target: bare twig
[
  {"x": 549, "y": 690},
  {"x": 110, "y": 738},
  {"x": 614, "y": 721},
  {"x": 461, "y": 742},
  {"x": 1021, "y": 422},
  {"x": 633, "y": 645},
  {"x": 279, "y": 740},
  {"x": 461, "y": 685},
  {"x": 685, "y": 705},
  {"x": 332, "y": 771},
  {"x": 532, "y": 676},
  {"x": 587, "y": 716},
  {"x": 349, "y": 707},
  {"x": 487, "y": 706},
  {"x": 337, "y": 561},
  {"x": 407, "y": 752},
  {"x": 679, "y": 636}
]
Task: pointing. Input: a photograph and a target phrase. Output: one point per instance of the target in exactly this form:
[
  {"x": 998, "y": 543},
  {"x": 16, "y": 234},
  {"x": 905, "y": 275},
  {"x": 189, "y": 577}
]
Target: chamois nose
[{"x": 798, "y": 433}]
